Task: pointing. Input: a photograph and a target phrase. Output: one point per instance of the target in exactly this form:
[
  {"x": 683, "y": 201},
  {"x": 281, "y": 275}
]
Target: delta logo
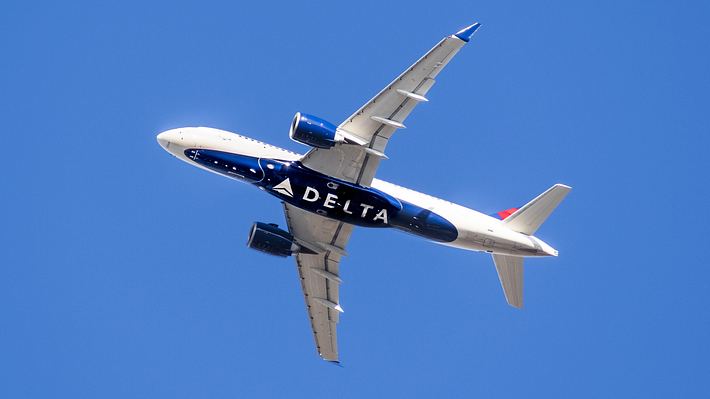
[{"x": 364, "y": 211}]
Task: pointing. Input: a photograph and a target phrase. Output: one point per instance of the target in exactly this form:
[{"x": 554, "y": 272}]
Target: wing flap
[{"x": 320, "y": 274}]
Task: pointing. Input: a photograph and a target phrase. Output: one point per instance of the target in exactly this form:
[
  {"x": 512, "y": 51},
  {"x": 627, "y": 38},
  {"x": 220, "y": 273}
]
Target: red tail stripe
[{"x": 504, "y": 214}]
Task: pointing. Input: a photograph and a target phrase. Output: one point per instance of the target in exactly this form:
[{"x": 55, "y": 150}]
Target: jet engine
[
  {"x": 313, "y": 131},
  {"x": 269, "y": 238}
]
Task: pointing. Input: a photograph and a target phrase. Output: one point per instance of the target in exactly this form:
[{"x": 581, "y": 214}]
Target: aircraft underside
[
  {"x": 332, "y": 188},
  {"x": 314, "y": 192}
]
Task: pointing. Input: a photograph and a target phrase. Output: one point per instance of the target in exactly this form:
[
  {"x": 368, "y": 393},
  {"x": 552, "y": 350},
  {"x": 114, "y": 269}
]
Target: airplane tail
[
  {"x": 525, "y": 220},
  {"x": 510, "y": 274},
  {"x": 528, "y": 219}
]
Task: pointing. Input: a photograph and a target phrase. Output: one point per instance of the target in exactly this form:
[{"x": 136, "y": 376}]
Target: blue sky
[{"x": 125, "y": 272}]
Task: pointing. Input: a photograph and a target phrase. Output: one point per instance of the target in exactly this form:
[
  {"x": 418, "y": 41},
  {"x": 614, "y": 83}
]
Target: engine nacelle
[
  {"x": 272, "y": 240},
  {"x": 313, "y": 131}
]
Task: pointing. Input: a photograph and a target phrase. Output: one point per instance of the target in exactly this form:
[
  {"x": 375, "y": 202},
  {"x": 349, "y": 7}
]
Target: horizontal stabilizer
[
  {"x": 528, "y": 219},
  {"x": 510, "y": 273}
]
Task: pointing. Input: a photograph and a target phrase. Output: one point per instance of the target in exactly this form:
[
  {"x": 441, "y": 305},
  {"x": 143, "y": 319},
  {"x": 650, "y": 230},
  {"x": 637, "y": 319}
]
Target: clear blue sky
[{"x": 125, "y": 274}]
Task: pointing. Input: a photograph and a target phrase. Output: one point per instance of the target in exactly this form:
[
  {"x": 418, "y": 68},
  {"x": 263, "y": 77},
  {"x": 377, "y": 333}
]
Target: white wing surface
[
  {"x": 370, "y": 127},
  {"x": 320, "y": 273}
]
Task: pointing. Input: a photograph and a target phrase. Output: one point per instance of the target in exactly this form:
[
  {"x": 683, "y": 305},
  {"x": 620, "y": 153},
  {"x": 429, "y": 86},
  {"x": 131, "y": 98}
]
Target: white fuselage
[{"x": 476, "y": 231}]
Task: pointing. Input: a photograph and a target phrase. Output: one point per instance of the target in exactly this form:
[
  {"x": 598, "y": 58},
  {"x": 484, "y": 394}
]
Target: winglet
[{"x": 466, "y": 33}]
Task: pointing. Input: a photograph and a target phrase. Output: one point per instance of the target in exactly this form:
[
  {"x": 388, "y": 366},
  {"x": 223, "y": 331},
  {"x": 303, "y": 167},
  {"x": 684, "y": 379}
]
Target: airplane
[{"x": 331, "y": 189}]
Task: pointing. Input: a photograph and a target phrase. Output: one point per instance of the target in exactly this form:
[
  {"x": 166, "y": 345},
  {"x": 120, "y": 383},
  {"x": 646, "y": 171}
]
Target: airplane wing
[
  {"x": 319, "y": 273},
  {"x": 369, "y": 129}
]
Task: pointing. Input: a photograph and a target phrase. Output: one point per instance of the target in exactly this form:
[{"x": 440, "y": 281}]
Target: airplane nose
[
  {"x": 163, "y": 141},
  {"x": 165, "y": 138}
]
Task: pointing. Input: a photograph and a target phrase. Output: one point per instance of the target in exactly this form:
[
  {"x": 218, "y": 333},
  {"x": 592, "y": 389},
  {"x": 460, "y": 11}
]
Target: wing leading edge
[{"x": 377, "y": 120}]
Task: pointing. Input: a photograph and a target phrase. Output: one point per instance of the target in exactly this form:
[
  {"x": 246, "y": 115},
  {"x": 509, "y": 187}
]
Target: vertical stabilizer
[
  {"x": 528, "y": 219},
  {"x": 510, "y": 273}
]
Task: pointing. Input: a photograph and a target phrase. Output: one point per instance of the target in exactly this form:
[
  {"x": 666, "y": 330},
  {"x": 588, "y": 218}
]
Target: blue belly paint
[{"x": 315, "y": 192}]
